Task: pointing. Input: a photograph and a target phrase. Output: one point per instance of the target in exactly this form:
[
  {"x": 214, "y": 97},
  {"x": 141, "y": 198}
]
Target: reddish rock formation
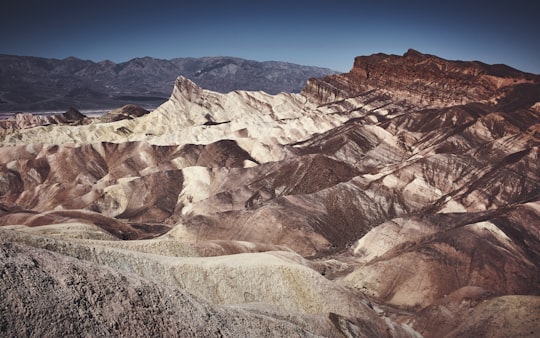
[{"x": 421, "y": 79}]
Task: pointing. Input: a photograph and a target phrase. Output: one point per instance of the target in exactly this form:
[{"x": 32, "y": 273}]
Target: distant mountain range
[{"x": 39, "y": 84}]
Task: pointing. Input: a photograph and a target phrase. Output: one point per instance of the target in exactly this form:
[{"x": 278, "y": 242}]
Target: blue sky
[{"x": 320, "y": 33}]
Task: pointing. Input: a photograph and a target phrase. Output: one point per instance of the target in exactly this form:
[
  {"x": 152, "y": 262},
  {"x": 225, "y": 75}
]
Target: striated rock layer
[
  {"x": 400, "y": 199},
  {"x": 423, "y": 79}
]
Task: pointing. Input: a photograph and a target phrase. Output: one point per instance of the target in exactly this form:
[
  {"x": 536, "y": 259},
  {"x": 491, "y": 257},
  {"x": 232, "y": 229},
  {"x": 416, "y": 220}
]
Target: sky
[{"x": 317, "y": 33}]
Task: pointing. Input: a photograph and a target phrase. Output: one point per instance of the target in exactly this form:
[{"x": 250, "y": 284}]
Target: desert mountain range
[
  {"x": 39, "y": 84},
  {"x": 401, "y": 199}
]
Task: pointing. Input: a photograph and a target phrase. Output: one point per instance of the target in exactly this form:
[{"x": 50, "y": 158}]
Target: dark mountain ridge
[{"x": 35, "y": 84}]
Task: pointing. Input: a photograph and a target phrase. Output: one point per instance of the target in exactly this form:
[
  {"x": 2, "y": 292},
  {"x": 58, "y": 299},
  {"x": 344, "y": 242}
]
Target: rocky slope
[
  {"x": 50, "y": 295},
  {"x": 401, "y": 199},
  {"x": 39, "y": 84}
]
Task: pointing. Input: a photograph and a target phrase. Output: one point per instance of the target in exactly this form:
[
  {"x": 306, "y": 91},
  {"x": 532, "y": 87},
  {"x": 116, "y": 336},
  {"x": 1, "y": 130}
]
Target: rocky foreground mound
[{"x": 399, "y": 199}]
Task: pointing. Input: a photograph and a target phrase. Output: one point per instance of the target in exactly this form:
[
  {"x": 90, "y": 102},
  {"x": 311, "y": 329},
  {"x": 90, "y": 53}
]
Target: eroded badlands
[{"x": 399, "y": 199}]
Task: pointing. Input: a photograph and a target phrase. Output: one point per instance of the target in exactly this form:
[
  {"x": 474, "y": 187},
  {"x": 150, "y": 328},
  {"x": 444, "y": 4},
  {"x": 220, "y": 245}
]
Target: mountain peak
[
  {"x": 186, "y": 86},
  {"x": 413, "y": 53}
]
